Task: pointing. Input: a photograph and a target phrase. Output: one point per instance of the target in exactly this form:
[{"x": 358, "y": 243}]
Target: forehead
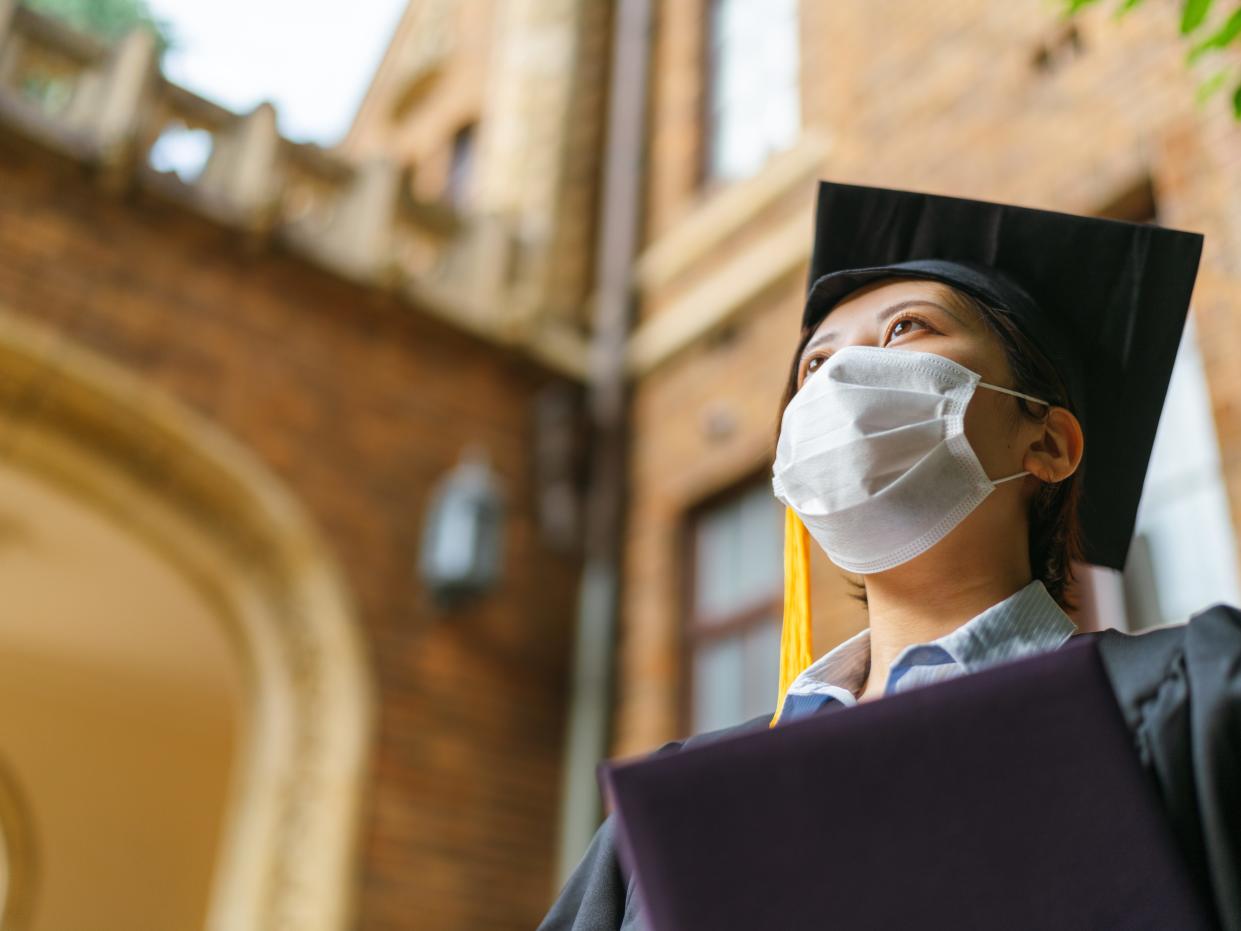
[{"x": 870, "y": 300}]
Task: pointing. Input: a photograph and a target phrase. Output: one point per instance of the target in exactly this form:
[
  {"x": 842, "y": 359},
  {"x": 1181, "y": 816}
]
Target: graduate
[{"x": 970, "y": 411}]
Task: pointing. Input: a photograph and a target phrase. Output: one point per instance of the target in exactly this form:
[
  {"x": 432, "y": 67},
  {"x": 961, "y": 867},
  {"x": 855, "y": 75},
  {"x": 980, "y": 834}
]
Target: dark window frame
[
  {"x": 462, "y": 159},
  {"x": 695, "y": 629},
  {"x": 707, "y": 179}
]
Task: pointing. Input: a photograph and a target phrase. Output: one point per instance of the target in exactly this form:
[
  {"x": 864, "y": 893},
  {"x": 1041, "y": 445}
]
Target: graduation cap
[{"x": 1104, "y": 300}]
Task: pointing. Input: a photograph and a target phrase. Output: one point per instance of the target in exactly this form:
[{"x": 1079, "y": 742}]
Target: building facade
[
  {"x": 231, "y": 396},
  {"x": 751, "y": 104}
]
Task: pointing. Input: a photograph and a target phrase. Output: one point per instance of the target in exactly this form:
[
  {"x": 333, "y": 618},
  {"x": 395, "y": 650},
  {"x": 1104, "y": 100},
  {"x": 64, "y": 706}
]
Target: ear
[{"x": 1055, "y": 453}]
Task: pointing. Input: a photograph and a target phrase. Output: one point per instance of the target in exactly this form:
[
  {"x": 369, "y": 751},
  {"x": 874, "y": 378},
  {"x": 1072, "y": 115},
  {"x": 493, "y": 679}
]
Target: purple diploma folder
[{"x": 1011, "y": 798}]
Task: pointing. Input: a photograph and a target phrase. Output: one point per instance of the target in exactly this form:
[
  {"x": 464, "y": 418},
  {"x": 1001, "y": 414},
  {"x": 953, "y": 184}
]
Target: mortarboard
[{"x": 1104, "y": 300}]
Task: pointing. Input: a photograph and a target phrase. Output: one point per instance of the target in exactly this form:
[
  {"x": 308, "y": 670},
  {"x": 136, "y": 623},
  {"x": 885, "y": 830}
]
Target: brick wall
[
  {"x": 358, "y": 404},
  {"x": 946, "y": 97}
]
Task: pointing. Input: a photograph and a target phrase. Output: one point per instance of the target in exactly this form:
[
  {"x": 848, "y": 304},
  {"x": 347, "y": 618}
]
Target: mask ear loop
[
  {"x": 1009, "y": 478},
  {"x": 1016, "y": 394}
]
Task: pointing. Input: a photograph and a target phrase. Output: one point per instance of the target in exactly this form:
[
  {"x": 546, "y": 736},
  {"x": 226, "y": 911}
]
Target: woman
[
  {"x": 1025, "y": 528},
  {"x": 954, "y": 357}
]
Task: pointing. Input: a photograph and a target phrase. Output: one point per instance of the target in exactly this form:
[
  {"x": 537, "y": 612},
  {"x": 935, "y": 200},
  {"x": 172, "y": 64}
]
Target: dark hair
[{"x": 1055, "y": 535}]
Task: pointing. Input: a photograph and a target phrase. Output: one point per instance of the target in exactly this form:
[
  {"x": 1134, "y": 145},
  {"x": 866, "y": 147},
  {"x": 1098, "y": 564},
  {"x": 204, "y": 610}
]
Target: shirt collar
[{"x": 1026, "y": 622}]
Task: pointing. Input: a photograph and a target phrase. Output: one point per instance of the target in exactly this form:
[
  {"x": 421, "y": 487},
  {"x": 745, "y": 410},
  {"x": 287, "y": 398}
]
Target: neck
[{"x": 933, "y": 595}]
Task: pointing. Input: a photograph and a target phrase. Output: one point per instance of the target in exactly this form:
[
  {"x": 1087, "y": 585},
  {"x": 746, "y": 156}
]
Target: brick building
[
  {"x": 976, "y": 99},
  {"x": 267, "y": 368},
  {"x": 746, "y": 105},
  {"x": 230, "y": 397}
]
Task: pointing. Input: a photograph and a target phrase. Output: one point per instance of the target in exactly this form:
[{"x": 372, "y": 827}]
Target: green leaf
[
  {"x": 1210, "y": 86},
  {"x": 1072, "y": 6},
  {"x": 107, "y": 19},
  {"x": 1218, "y": 39},
  {"x": 1193, "y": 13},
  {"x": 1236, "y": 102}
]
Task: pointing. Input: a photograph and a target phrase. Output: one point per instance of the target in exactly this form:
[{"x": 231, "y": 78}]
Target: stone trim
[
  {"x": 727, "y": 211},
  {"x": 287, "y": 849}
]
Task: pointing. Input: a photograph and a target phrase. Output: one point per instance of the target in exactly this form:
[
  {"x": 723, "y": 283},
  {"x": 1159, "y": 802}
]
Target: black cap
[{"x": 1104, "y": 300}]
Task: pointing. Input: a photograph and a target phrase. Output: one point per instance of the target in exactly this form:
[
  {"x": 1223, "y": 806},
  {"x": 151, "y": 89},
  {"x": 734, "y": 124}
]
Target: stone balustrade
[{"x": 109, "y": 106}]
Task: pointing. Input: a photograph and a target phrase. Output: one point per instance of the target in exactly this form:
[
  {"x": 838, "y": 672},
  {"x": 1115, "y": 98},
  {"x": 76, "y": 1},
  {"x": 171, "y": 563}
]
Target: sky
[{"x": 313, "y": 59}]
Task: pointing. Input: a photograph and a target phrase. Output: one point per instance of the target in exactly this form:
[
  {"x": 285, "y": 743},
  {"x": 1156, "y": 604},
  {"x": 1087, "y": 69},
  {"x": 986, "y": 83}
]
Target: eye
[
  {"x": 904, "y": 325},
  {"x": 810, "y": 366}
]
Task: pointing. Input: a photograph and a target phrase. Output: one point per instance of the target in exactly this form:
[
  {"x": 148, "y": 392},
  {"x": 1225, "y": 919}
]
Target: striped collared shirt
[{"x": 1026, "y": 622}]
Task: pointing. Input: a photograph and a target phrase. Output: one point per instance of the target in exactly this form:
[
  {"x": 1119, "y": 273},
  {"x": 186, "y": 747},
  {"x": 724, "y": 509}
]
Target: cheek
[{"x": 991, "y": 430}]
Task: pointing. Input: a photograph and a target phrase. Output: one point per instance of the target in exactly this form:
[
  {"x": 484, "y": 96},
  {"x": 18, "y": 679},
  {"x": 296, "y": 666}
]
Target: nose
[
  {"x": 861, "y": 333},
  {"x": 863, "y": 339}
]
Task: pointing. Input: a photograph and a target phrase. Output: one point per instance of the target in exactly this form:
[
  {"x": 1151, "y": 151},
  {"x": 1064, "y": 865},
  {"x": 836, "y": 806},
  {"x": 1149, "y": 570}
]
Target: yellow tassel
[{"x": 796, "y": 647}]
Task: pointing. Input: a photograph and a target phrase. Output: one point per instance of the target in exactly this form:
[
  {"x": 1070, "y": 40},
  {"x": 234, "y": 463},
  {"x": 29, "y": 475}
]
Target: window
[
  {"x": 1183, "y": 556},
  {"x": 460, "y": 167},
  {"x": 753, "y": 103},
  {"x": 733, "y": 638}
]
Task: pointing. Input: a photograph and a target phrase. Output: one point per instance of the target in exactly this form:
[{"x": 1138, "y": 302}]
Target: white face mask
[{"x": 873, "y": 456}]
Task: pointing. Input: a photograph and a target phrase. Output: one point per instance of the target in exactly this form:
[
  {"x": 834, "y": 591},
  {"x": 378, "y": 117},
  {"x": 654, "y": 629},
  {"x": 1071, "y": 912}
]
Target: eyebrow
[{"x": 883, "y": 315}]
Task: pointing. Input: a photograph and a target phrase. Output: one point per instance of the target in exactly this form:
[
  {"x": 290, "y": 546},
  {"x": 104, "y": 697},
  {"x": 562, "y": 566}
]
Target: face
[{"x": 904, "y": 316}]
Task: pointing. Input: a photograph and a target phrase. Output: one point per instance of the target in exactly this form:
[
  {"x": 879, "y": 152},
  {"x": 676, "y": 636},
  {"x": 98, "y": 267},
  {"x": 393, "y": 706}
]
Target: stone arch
[
  {"x": 231, "y": 527},
  {"x": 18, "y": 865}
]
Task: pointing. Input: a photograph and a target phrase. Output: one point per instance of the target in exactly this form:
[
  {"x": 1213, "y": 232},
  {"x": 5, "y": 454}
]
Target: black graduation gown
[{"x": 1180, "y": 691}]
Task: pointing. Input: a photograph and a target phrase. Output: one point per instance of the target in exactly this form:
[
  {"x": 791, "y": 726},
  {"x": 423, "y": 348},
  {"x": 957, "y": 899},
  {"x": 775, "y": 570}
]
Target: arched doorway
[
  {"x": 183, "y": 692},
  {"x": 120, "y": 702}
]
